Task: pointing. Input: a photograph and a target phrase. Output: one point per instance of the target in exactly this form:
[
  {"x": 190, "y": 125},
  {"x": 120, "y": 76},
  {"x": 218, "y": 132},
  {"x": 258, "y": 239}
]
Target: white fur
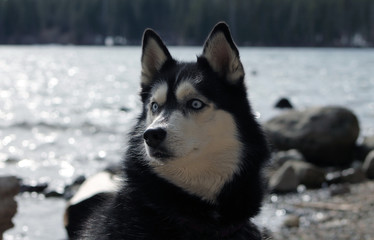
[
  {"x": 160, "y": 94},
  {"x": 185, "y": 89},
  {"x": 205, "y": 148}
]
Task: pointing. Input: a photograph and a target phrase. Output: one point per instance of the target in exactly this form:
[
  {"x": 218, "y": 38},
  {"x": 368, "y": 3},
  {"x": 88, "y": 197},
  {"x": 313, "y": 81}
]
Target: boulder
[
  {"x": 326, "y": 136},
  {"x": 284, "y": 180},
  {"x": 308, "y": 175},
  {"x": 368, "y": 166},
  {"x": 9, "y": 187},
  {"x": 279, "y": 158},
  {"x": 368, "y": 142},
  {"x": 301, "y": 173},
  {"x": 92, "y": 193}
]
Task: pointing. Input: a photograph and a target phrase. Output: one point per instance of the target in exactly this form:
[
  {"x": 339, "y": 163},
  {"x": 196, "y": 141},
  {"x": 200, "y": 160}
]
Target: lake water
[{"x": 60, "y": 107}]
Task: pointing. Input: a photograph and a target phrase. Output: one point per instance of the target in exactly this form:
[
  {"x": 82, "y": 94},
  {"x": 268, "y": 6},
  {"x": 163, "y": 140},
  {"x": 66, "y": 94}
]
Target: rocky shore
[
  {"x": 320, "y": 177},
  {"x": 326, "y": 214},
  {"x": 317, "y": 147}
]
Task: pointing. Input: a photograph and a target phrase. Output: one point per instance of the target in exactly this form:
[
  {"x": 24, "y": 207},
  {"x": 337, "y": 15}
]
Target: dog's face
[{"x": 190, "y": 139}]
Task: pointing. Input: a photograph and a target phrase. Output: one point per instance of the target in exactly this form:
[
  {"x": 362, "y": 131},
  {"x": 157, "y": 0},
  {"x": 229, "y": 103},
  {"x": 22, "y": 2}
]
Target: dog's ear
[
  {"x": 154, "y": 56},
  {"x": 222, "y": 54}
]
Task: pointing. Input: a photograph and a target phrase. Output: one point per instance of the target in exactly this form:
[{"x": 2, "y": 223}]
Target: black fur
[{"x": 149, "y": 207}]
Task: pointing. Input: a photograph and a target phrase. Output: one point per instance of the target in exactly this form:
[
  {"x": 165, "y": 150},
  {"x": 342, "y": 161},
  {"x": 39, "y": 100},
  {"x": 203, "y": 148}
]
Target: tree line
[{"x": 253, "y": 22}]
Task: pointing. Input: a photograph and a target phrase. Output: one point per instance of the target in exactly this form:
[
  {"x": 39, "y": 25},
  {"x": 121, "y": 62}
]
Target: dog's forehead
[
  {"x": 178, "y": 84},
  {"x": 185, "y": 89},
  {"x": 160, "y": 92}
]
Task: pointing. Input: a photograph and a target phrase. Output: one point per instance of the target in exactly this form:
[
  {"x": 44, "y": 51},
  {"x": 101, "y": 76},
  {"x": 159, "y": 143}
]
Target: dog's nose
[{"x": 154, "y": 137}]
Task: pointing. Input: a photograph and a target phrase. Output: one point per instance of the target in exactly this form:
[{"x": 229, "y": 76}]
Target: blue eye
[
  {"x": 154, "y": 107},
  {"x": 195, "y": 104}
]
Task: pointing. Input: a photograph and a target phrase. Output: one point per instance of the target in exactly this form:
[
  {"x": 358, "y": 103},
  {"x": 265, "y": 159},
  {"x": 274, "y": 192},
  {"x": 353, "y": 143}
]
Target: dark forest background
[{"x": 187, "y": 22}]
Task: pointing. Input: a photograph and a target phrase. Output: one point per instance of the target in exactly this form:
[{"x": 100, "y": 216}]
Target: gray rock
[
  {"x": 9, "y": 187},
  {"x": 284, "y": 180},
  {"x": 339, "y": 189},
  {"x": 308, "y": 174},
  {"x": 291, "y": 221},
  {"x": 368, "y": 143},
  {"x": 368, "y": 166},
  {"x": 326, "y": 136},
  {"x": 352, "y": 175},
  {"x": 292, "y": 173},
  {"x": 279, "y": 158},
  {"x": 334, "y": 177}
]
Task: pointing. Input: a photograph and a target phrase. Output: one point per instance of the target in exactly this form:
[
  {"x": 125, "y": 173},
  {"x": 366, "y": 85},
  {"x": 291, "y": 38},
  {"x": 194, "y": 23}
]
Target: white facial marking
[
  {"x": 160, "y": 94},
  {"x": 206, "y": 152},
  {"x": 185, "y": 89}
]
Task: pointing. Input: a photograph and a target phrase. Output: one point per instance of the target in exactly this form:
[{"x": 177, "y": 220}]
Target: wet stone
[
  {"x": 339, "y": 189},
  {"x": 352, "y": 175},
  {"x": 291, "y": 221},
  {"x": 368, "y": 166},
  {"x": 284, "y": 180},
  {"x": 34, "y": 187}
]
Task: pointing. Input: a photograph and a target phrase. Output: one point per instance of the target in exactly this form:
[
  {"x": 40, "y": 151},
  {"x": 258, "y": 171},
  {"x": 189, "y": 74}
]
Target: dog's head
[{"x": 193, "y": 113}]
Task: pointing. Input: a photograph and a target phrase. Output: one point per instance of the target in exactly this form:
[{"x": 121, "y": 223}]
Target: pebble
[
  {"x": 291, "y": 221},
  {"x": 280, "y": 157},
  {"x": 53, "y": 193},
  {"x": 284, "y": 180},
  {"x": 339, "y": 189}
]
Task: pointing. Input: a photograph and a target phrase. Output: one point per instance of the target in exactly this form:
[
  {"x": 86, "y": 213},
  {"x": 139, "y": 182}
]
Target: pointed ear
[
  {"x": 222, "y": 54},
  {"x": 154, "y": 56}
]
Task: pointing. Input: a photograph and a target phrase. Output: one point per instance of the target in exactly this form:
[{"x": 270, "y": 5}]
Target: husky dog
[{"x": 193, "y": 164}]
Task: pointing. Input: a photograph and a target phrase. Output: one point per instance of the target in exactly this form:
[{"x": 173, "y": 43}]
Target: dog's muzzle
[{"x": 154, "y": 137}]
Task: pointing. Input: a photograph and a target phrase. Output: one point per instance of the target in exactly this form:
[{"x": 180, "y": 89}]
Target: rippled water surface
[{"x": 62, "y": 108}]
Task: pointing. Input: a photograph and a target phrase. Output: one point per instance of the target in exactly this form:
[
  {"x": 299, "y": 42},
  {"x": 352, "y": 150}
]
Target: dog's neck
[{"x": 203, "y": 176}]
